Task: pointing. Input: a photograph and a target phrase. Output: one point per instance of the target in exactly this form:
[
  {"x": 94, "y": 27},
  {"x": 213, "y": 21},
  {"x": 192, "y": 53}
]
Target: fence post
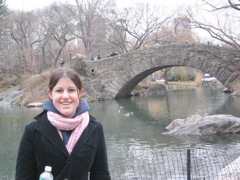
[{"x": 188, "y": 165}]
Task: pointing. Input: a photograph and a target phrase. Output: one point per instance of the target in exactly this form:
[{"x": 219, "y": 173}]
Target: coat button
[{"x": 69, "y": 160}]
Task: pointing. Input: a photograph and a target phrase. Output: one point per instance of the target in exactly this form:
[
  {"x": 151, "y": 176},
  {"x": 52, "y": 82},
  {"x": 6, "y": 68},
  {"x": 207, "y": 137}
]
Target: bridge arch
[
  {"x": 129, "y": 86},
  {"x": 120, "y": 74}
]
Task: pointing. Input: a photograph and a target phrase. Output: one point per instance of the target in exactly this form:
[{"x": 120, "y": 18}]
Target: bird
[{"x": 128, "y": 114}]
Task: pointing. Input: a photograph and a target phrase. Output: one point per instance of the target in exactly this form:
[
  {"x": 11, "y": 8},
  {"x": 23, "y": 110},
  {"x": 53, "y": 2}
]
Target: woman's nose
[{"x": 65, "y": 94}]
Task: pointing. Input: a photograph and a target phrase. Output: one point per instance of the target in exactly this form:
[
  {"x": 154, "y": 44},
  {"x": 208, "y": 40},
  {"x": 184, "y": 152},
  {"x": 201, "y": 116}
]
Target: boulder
[{"x": 204, "y": 125}]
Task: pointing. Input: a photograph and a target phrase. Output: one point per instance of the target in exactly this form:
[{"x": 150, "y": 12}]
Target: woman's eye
[
  {"x": 72, "y": 90},
  {"x": 58, "y": 90}
]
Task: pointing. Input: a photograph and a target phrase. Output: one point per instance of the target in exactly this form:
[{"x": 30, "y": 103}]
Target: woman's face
[{"x": 65, "y": 96}]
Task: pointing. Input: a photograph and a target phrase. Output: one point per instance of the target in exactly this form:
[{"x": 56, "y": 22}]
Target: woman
[{"x": 64, "y": 136}]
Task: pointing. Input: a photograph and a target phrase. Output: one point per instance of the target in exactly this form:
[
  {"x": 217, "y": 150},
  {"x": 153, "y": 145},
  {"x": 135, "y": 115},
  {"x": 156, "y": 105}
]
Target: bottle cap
[{"x": 48, "y": 168}]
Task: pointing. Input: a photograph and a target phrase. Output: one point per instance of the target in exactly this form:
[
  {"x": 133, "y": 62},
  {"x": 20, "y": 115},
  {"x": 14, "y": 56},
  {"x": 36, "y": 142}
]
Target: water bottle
[{"x": 46, "y": 175}]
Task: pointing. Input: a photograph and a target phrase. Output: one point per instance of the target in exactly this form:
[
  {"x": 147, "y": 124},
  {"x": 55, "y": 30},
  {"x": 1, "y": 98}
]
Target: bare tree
[
  {"x": 3, "y": 11},
  {"x": 223, "y": 25},
  {"x": 22, "y": 31},
  {"x": 179, "y": 31},
  {"x": 164, "y": 36},
  {"x": 89, "y": 22},
  {"x": 182, "y": 30},
  {"x": 165, "y": 74},
  {"x": 58, "y": 25},
  {"x": 131, "y": 26},
  {"x": 230, "y": 4},
  {"x": 4, "y": 38}
]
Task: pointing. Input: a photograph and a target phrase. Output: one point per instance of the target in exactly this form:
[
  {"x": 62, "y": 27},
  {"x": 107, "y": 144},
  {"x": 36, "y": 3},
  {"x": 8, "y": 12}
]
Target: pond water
[{"x": 136, "y": 133}]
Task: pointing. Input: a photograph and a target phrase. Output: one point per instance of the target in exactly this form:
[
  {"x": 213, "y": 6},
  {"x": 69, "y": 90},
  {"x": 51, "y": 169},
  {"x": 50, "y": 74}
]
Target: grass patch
[
  {"x": 36, "y": 87},
  {"x": 8, "y": 83}
]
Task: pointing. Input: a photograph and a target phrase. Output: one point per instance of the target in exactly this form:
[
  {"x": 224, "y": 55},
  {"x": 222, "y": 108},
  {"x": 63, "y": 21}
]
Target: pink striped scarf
[{"x": 77, "y": 124}]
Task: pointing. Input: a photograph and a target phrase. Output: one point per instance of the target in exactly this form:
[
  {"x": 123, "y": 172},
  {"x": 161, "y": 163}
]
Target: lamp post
[{"x": 70, "y": 57}]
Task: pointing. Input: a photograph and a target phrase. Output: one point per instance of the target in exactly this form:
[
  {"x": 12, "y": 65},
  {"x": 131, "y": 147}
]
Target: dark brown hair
[{"x": 65, "y": 72}]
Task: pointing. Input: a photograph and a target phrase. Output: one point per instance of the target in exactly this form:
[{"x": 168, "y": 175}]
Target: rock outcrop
[{"x": 204, "y": 125}]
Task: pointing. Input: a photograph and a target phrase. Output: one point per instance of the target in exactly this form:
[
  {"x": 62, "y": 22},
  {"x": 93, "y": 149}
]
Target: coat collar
[{"x": 50, "y": 133}]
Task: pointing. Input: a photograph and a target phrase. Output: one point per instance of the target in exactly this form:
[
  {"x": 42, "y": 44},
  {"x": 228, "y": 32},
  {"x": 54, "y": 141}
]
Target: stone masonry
[{"x": 117, "y": 76}]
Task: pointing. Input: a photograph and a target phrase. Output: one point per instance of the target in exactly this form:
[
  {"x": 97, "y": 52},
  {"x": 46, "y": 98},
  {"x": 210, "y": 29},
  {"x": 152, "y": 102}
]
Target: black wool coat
[{"x": 42, "y": 146}]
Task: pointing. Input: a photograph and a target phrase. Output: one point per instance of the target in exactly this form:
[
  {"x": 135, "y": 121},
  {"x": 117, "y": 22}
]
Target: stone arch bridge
[{"x": 117, "y": 76}]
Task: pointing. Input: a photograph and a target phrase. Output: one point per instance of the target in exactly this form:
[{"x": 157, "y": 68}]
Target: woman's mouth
[{"x": 66, "y": 103}]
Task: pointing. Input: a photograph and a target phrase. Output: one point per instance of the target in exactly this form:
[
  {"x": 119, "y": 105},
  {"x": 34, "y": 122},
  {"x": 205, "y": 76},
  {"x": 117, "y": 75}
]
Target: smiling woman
[
  {"x": 65, "y": 96},
  {"x": 64, "y": 136}
]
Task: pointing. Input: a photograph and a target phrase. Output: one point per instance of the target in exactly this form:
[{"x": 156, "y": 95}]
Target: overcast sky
[{"x": 33, "y": 4}]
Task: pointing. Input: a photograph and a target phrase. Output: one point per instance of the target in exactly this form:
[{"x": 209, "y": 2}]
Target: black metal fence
[
  {"x": 188, "y": 164},
  {"x": 175, "y": 164}
]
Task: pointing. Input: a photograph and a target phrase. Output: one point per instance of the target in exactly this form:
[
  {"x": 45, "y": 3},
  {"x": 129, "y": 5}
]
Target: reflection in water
[
  {"x": 138, "y": 133},
  {"x": 12, "y": 122},
  {"x": 142, "y": 133}
]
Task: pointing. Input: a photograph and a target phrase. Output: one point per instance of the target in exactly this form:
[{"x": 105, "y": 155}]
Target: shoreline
[{"x": 19, "y": 96}]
